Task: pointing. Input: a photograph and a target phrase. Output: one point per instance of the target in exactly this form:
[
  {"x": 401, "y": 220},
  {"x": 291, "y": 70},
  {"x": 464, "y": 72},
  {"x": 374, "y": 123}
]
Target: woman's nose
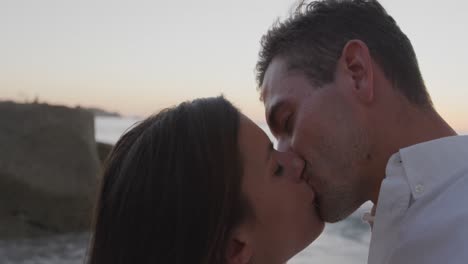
[{"x": 293, "y": 164}]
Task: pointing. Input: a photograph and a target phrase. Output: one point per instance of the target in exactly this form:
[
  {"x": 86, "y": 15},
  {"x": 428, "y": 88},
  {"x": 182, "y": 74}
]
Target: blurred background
[{"x": 76, "y": 72}]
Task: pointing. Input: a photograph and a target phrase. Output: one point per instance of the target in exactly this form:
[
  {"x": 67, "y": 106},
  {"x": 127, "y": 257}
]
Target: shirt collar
[{"x": 430, "y": 164}]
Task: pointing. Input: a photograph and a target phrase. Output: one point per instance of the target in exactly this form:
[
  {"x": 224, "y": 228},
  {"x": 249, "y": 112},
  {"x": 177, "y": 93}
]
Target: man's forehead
[
  {"x": 268, "y": 97},
  {"x": 271, "y": 101},
  {"x": 274, "y": 74}
]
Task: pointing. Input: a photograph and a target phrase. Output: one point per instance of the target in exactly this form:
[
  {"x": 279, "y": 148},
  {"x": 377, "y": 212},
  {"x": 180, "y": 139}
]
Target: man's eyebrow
[{"x": 271, "y": 120}]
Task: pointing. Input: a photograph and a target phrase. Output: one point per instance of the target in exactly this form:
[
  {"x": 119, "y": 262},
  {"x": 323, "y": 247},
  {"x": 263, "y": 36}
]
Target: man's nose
[
  {"x": 293, "y": 164},
  {"x": 284, "y": 144}
]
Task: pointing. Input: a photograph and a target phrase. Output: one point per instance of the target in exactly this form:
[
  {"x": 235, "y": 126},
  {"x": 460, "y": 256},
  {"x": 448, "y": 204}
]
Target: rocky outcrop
[
  {"x": 48, "y": 169},
  {"x": 104, "y": 150}
]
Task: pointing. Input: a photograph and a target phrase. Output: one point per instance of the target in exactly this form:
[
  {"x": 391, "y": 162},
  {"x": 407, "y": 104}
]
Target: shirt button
[{"x": 419, "y": 188}]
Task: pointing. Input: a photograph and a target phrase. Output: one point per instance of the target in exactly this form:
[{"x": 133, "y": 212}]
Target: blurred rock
[
  {"x": 104, "y": 150},
  {"x": 48, "y": 169}
]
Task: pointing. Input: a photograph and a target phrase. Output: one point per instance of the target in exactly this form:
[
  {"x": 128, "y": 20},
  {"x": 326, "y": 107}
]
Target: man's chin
[{"x": 332, "y": 216}]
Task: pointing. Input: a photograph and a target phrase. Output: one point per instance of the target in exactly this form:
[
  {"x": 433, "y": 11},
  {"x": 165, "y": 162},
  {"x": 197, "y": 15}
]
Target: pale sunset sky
[{"x": 138, "y": 56}]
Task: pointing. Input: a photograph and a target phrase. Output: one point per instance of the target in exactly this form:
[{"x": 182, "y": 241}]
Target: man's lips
[{"x": 306, "y": 175}]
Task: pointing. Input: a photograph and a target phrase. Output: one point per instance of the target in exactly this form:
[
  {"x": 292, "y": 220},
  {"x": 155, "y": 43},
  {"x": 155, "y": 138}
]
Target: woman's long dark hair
[{"x": 171, "y": 188}]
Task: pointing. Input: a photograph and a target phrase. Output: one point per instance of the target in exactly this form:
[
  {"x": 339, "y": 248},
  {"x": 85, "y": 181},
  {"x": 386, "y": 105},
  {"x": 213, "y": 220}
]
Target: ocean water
[{"x": 343, "y": 242}]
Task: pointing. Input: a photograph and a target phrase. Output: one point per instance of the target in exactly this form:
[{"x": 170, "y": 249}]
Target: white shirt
[{"x": 422, "y": 211}]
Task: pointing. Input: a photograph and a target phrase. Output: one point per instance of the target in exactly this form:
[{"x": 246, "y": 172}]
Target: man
[{"x": 342, "y": 88}]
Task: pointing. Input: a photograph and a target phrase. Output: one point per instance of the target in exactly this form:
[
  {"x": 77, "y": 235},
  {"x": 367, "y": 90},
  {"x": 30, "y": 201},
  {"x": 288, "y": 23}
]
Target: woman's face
[{"x": 285, "y": 218}]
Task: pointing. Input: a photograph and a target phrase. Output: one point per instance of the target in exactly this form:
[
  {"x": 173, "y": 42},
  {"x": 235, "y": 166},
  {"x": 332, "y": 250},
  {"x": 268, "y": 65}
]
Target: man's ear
[
  {"x": 357, "y": 63},
  {"x": 239, "y": 249}
]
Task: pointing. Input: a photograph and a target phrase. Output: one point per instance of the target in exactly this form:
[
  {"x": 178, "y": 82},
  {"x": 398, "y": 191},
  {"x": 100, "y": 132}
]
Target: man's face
[{"x": 325, "y": 127}]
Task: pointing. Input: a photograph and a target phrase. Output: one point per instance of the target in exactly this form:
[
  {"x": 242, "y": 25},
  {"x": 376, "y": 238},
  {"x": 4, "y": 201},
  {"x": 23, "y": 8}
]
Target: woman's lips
[
  {"x": 306, "y": 174},
  {"x": 314, "y": 199},
  {"x": 306, "y": 177}
]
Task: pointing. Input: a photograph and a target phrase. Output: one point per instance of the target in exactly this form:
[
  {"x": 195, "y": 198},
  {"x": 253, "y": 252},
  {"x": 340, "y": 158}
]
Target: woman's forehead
[{"x": 254, "y": 144}]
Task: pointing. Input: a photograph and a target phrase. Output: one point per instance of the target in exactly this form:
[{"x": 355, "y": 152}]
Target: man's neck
[
  {"x": 408, "y": 127},
  {"x": 419, "y": 125}
]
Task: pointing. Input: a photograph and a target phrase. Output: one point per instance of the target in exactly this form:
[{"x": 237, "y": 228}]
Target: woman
[{"x": 201, "y": 183}]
